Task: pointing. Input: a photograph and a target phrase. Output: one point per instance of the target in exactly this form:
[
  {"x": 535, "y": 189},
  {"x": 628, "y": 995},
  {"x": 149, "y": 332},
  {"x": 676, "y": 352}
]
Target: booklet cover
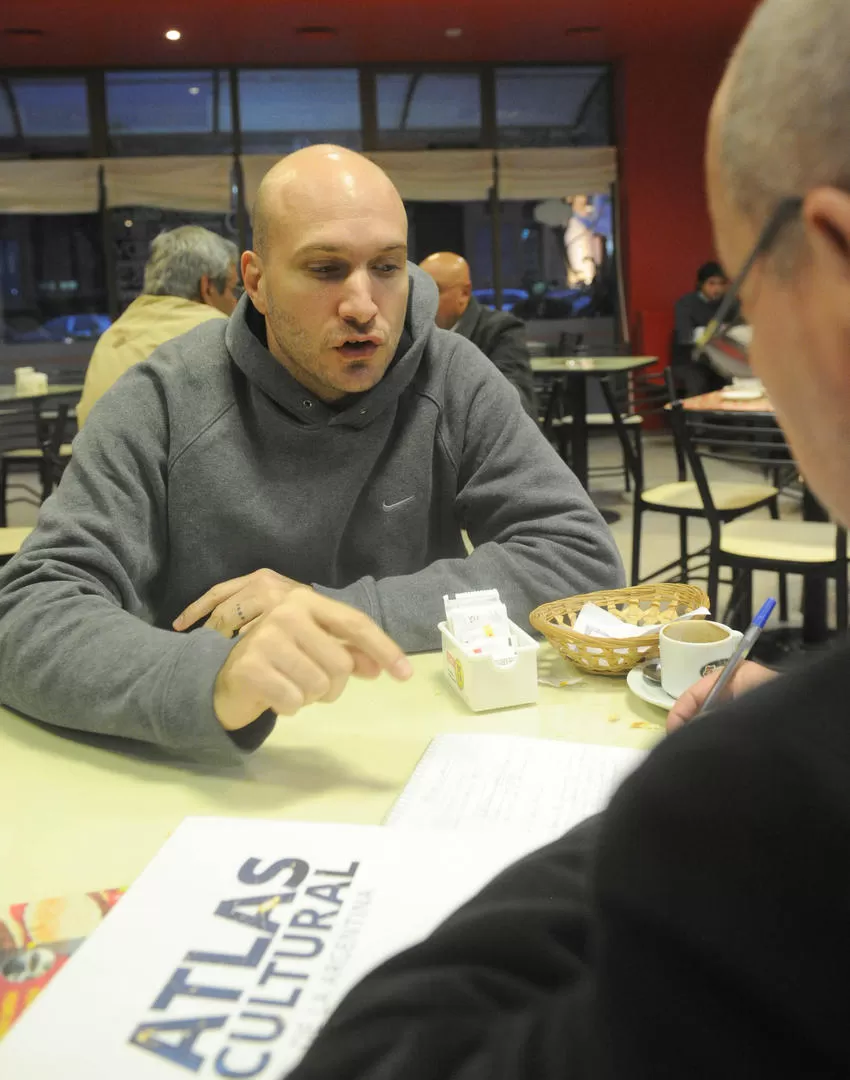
[
  {"x": 238, "y": 940},
  {"x": 36, "y": 940}
]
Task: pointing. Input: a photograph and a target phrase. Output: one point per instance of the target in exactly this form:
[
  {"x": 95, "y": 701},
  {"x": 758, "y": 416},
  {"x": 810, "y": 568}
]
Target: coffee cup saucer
[{"x": 648, "y": 691}]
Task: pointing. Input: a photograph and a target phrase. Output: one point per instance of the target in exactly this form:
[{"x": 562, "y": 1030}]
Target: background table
[
  {"x": 9, "y": 393},
  {"x": 573, "y": 373},
  {"x": 77, "y": 814}
]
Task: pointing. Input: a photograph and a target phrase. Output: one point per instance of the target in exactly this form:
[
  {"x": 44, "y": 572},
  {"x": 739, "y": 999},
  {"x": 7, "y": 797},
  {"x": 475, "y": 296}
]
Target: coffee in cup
[{"x": 691, "y": 648}]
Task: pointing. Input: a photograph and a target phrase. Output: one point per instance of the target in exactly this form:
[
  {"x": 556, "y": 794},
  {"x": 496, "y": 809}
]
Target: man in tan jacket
[{"x": 190, "y": 277}]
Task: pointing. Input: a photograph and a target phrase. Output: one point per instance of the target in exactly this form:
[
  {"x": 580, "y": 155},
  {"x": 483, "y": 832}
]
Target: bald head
[
  {"x": 321, "y": 180},
  {"x": 447, "y": 269},
  {"x": 329, "y": 269},
  {"x": 781, "y": 122},
  {"x": 454, "y": 283}
]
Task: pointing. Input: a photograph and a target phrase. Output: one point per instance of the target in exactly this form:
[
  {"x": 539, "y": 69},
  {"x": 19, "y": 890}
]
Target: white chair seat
[
  {"x": 33, "y": 452},
  {"x": 601, "y": 419},
  {"x": 727, "y": 495},
  {"x": 11, "y": 540},
  {"x": 780, "y": 541}
]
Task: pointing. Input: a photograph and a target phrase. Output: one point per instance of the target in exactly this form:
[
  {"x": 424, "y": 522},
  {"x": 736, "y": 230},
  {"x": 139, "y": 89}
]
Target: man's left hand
[{"x": 234, "y": 605}]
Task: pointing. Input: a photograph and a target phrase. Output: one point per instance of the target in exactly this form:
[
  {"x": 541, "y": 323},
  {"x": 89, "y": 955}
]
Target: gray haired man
[{"x": 190, "y": 278}]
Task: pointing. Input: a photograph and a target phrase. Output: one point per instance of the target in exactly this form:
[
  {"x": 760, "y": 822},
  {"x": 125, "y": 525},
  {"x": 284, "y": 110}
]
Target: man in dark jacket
[
  {"x": 694, "y": 311},
  {"x": 498, "y": 334},
  {"x": 701, "y": 929}
]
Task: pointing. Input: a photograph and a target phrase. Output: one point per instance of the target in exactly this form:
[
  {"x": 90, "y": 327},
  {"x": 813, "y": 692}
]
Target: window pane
[
  {"x": 429, "y": 110},
  {"x": 282, "y": 111},
  {"x": 48, "y": 115},
  {"x": 558, "y": 258},
  {"x": 557, "y": 106},
  {"x": 173, "y": 112},
  {"x": 52, "y": 285},
  {"x": 133, "y": 228},
  {"x": 7, "y": 120}
]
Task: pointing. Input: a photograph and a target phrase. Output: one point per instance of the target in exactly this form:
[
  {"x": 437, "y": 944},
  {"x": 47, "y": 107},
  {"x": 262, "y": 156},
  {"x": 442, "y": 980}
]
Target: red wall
[{"x": 664, "y": 100}]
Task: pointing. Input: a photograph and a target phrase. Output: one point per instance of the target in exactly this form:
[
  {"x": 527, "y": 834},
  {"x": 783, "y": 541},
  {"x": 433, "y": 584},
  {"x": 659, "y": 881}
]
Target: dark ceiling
[{"x": 114, "y": 33}]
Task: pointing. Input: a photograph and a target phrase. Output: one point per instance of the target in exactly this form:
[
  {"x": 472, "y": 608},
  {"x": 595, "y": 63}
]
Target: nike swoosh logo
[{"x": 388, "y": 507}]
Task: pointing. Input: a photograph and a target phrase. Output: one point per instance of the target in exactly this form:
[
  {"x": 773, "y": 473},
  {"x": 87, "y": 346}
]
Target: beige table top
[
  {"x": 588, "y": 365},
  {"x": 75, "y": 817}
]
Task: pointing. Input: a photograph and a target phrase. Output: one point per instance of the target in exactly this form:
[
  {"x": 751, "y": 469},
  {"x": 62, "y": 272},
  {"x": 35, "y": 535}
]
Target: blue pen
[{"x": 751, "y": 636}]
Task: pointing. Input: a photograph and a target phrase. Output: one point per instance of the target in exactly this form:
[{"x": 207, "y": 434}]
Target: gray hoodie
[{"x": 209, "y": 461}]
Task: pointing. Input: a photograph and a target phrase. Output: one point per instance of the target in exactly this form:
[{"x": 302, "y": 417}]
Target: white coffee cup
[{"x": 692, "y": 648}]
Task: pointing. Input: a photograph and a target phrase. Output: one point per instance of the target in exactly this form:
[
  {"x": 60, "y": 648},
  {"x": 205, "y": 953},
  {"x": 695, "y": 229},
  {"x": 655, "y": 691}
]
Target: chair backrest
[
  {"x": 637, "y": 393},
  {"x": 37, "y": 424},
  {"x": 569, "y": 344},
  {"x": 644, "y": 395},
  {"x": 50, "y": 411},
  {"x": 749, "y": 441},
  {"x": 18, "y": 429}
]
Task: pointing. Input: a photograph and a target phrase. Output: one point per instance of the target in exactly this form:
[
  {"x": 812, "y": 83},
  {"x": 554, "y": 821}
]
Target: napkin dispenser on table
[{"x": 488, "y": 659}]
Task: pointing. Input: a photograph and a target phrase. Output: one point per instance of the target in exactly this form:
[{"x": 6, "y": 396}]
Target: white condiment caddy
[{"x": 489, "y": 660}]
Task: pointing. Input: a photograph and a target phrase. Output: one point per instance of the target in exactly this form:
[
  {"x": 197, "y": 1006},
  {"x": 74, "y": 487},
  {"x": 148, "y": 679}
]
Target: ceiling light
[
  {"x": 454, "y": 32},
  {"x": 173, "y": 35},
  {"x": 194, "y": 90},
  {"x": 128, "y": 224}
]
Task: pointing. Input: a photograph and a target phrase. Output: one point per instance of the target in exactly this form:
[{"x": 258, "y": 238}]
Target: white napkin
[{"x": 596, "y": 622}]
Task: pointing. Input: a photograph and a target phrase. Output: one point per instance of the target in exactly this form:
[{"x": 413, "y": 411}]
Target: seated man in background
[
  {"x": 498, "y": 334},
  {"x": 327, "y": 439},
  {"x": 190, "y": 277},
  {"x": 694, "y": 311},
  {"x": 700, "y": 928}
]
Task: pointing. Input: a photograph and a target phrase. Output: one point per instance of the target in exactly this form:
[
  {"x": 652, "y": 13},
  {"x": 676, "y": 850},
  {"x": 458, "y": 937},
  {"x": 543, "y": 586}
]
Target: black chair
[
  {"x": 651, "y": 397},
  {"x": 809, "y": 548},
  {"x": 33, "y": 438}
]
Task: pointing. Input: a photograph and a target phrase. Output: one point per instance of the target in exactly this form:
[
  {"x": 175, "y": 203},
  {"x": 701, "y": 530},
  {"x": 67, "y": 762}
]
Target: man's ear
[
  {"x": 254, "y": 278},
  {"x": 826, "y": 217},
  {"x": 205, "y": 288}
]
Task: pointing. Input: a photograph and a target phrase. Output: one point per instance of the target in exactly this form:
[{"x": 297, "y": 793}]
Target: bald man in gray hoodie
[{"x": 271, "y": 504}]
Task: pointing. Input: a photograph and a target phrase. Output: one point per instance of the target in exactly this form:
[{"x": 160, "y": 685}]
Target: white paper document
[
  {"x": 539, "y": 786},
  {"x": 237, "y": 941}
]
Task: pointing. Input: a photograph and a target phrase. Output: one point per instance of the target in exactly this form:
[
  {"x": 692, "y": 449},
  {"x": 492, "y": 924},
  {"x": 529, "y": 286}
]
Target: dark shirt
[
  {"x": 692, "y": 312},
  {"x": 501, "y": 337},
  {"x": 699, "y": 929}
]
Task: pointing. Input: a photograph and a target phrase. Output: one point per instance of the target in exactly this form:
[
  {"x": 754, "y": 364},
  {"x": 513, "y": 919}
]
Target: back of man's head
[
  {"x": 180, "y": 258},
  {"x": 454, "y": 283},
  {"x": 786, "y": 116},
  {"x": 779, "y": 193}
]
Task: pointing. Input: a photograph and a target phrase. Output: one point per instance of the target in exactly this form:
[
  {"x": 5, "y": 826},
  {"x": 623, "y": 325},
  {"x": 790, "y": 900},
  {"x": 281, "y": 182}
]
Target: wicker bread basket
[{"x": 643, "y": 605}]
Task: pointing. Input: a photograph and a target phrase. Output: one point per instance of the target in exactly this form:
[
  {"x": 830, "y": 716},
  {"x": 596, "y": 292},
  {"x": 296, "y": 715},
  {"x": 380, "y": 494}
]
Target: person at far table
[
  {"x": 190, "y": 277},
  {"x": 699, "y": 929},
  {"x": 326, "y": 443},
  {"x": 694, "y": 311},
  {"x": 498, "y": 334}
]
